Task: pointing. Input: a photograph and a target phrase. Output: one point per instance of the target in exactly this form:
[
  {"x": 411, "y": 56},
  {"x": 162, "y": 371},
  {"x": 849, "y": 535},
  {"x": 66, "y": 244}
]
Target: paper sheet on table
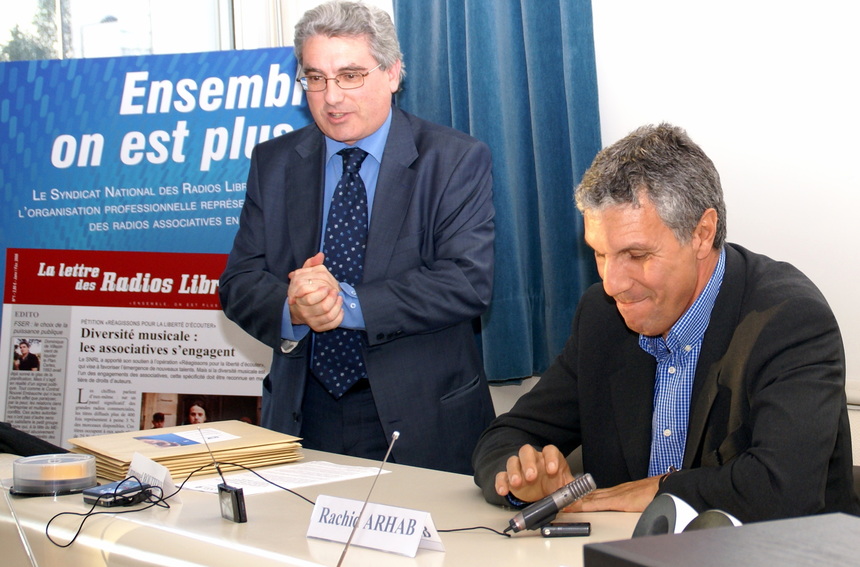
[{"x": 288, "y": 476}]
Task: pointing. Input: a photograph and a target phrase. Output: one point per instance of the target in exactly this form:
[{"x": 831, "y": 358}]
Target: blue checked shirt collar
[{"x": 693, "y": 323}]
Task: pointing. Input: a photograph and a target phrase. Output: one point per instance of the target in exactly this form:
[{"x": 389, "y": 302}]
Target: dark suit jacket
[
  {"x": 428, "y": 273},
  {"x": 768, "y": 432}
]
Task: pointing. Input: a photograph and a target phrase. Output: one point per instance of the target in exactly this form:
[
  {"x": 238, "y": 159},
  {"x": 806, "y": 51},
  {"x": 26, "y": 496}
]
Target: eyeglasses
[{"x": 346, "y": 81}]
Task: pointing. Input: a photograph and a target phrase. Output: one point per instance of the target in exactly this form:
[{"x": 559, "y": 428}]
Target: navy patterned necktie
[{"x": 337, "y": 360}]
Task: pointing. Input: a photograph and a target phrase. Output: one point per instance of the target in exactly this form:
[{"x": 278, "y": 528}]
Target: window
[{"x": 69, "y": 29}]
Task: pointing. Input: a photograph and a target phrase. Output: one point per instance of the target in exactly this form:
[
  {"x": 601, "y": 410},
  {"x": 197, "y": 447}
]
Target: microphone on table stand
[
  {"x": 394, "y": 437},
  {"x": 539, "y": 513}
]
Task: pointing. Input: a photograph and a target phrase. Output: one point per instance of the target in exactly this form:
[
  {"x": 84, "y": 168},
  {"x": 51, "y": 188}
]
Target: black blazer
[
  {"x": 428, "y": 273},
  {"x": 768, "y": 434}
]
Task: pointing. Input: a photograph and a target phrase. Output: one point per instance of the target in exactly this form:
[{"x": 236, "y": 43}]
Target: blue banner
[{"x": 144, "y": 153}]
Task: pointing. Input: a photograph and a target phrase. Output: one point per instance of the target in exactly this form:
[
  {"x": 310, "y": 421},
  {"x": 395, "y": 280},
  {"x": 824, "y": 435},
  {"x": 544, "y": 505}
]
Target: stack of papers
[{"x": 182, "y": 449}]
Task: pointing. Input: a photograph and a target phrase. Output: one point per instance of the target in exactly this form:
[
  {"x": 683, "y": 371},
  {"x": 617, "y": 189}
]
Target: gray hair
[
  {"x": 665, "y": 166},
  {"x": 339, "y": 18}
]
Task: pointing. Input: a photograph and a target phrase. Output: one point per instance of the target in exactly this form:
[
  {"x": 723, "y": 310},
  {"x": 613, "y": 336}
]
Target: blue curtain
[{"x": 519, "y": 75}]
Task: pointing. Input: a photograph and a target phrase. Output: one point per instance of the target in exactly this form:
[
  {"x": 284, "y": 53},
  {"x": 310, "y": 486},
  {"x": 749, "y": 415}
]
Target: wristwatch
[
  {"x": 515, "y": 502},
  {"x": 288, "y": 346}
]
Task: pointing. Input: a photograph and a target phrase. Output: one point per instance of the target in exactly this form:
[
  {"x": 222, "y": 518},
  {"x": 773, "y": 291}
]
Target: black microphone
[{"x": 539, "y": 513}]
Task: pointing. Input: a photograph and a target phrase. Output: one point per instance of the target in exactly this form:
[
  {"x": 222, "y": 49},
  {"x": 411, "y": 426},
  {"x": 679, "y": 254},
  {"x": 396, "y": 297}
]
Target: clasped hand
[
  {"x": 532, "y": 474},
  {"x": 314, "y": 296}
]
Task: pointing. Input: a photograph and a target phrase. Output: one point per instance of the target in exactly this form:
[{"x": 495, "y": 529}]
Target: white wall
[{"x": 770, "y": 90}]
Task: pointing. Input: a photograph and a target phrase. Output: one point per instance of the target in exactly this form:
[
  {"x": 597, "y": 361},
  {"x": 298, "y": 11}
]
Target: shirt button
[
  {"x": 352, "y": 305},
  {"x": 667, "y": 433},
  {"x": 688, "y": 348},
  {"x": 671, "y": 370}
]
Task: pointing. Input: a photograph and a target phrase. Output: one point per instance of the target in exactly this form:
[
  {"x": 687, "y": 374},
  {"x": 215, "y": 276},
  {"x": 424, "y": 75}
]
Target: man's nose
[
  {"x": 333, "y": 93},
  {"x": 615, "y": 277}
]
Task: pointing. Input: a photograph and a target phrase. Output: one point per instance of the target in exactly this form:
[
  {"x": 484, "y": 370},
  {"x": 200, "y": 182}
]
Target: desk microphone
[
  {"x": 539, "y": 513},
  {"x": 394, "y": 437},
  {"x": 231, "y": 498}
]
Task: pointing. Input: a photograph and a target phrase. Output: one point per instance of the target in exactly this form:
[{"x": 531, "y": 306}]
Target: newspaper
[{"x": 98, "y": 342}]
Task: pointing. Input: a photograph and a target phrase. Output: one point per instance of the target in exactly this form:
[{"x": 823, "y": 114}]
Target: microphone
[
  {"x": 394, "y": 437},
  {"x": 539, "y": 513}
]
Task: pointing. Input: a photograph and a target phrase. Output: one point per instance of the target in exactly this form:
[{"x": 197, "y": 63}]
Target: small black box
[
  {"x": 120, "y": 493},
  {"x": 232, "y": 503}
]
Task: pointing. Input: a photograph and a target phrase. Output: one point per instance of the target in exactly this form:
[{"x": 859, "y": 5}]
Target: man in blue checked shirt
[{"x": 697, "y": 368}]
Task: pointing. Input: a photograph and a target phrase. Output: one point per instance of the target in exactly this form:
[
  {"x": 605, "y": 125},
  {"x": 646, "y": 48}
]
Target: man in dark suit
[
  {"x": 698, "y": 368},
  {"x": 426, "y": 274}
]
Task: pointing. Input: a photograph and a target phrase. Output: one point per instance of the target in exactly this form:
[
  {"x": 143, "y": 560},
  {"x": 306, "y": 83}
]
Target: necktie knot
[{"x": 352, "y": 159}]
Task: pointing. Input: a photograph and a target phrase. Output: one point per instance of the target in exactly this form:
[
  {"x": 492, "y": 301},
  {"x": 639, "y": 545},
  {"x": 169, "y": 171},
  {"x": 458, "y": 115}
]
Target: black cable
[
  {"x": 474, "y": 528},
  {"x": 187, "y": 478},
  {"x": 313, "y": 503},
  {"x": 151, "y": 500},
  {"x": 293, "y": 492},
  {"x": 161, "y": 501}
]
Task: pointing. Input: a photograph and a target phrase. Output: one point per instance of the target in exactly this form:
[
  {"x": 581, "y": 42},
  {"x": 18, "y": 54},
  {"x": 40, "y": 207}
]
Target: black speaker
[
  {"x": 668, "y": 514},
  {"x": 712, "y": 519}
]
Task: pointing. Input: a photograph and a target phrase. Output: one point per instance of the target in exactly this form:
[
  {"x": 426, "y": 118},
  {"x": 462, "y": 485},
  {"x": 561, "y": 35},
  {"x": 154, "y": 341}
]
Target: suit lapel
[
  {"x": 724, "y": 319},
  {"x": 394, "y": 189},
  {"x": 632, "y": 380},
  {"x": 304, "y": 194}
]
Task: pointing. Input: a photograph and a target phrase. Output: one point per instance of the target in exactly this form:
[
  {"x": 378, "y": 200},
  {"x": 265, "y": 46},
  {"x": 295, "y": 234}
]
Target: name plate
[
  {"x": 386, "y": 528},
  {"x": 154, "y": 474}
]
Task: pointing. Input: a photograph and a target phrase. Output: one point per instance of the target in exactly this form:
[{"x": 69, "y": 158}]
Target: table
[{"x": 193, "y": 532}]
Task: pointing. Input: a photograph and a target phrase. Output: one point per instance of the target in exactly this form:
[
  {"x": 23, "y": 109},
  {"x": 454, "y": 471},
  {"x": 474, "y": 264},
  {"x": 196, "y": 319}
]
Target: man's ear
[
  {"x": 705, "y": 232},
  {"x": 394, "y": 76}
]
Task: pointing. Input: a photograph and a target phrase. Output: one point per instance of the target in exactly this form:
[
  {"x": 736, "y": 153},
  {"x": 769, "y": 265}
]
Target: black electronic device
[
  {"x": 120, "y": 493},
  {"x": 566, "y": 529},
  {"x": 544, "y": 510},
  {"x": 232, "y": 501},
  {"x": 231, "y": 498}
]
